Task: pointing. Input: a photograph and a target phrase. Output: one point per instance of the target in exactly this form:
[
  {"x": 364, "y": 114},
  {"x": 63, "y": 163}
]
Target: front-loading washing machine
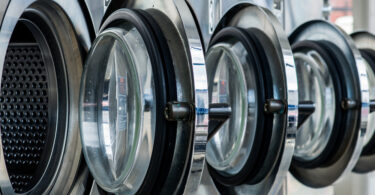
[
  {"x": 143, "y": 104},
  {"x": 250, "y": 70},
  {"x": 362, "y": 178},
  {"x": 333, "y": 76},
  {"x": 42, "y": 49}
]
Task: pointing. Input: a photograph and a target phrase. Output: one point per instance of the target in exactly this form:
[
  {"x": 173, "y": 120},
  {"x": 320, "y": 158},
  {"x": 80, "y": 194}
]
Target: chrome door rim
[
  {"x": 175, "y": 19},
  {"x": 312, "y": 65},
  {"x": 144, "y": 68},
  {"x": 272, "y": 29},
  {"x": 322, "y": 30},
  {"x": 364, "y": 41}
]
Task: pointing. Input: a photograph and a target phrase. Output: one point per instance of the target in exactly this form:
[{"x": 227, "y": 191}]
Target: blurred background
[{"x": 351, "y": 16}]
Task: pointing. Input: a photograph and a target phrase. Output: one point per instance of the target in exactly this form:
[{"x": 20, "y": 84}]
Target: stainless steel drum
[
  {"x": 333, "y": 82},
  {"x": 251, "y": 73},
  {"x": 365, "y": 42},
  {"x": 42, "y": 44},
  {"x": 144, "y": 103}
]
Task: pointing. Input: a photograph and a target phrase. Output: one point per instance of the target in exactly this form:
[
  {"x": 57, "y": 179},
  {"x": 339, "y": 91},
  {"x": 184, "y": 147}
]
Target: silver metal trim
[
  {"x": 264, "y": 20},
  {"x": 178, "y": 25},
  {"x": 345, "y": 42},
  {"x": 273, "y": 184},
  {"x": 141, "y": 144},
  {"x": 364, "y": 40},
  {"x": 97, "y": 9},
  {"x": 69, "y": 162},
  {"x": 365, "y": 104}
]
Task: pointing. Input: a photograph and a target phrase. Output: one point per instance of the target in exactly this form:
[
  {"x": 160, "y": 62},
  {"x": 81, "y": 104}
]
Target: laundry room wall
[
  {"x": 297, "y": 12},
  {"x": 348, "y": 14},
  {"x": 364, "y": 15}
]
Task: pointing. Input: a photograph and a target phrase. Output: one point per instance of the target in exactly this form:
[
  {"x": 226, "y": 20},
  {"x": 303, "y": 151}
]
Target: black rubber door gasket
[
  {"x": 335, "y": 154},
  {"x": 251, "y": 172},
  {"x": 165, "y": 91}
]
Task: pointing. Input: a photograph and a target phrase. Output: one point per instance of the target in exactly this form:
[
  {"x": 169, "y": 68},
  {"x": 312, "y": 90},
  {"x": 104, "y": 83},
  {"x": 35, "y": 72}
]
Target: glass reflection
[
  {"x": 118, "y": 110},
  {"x": 316, "y": 85},
  {"x": 232, "y": 80}
]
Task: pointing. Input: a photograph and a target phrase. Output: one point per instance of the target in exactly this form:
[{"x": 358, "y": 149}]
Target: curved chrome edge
[
  {"x": 198, "y": 64},
  {"x": 181, "y": 23},
  {"x": 97, "y": 9},
  {"x": 3, "y": 8},
  {"x": 74, "y": 11},
  {"x": 356, "y": 60},
  {"x": 292, "y": 112},
  {"x": 10, "y": 17},
  {"x": 274, "y": 182},
  {"x": 365, "y": 108},
  {"x": 364, "y": 40}
]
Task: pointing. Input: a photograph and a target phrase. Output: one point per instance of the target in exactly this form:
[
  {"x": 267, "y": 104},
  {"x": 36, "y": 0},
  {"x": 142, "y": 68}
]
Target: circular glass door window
[
  {"x": 315, "y": 85},
  {"x": 232, "y": 80},
  {"x": 251, "y": 75},
  {"x": 124, "y": 92},
  {"x": 332, "y": 104},
  {"x": 238, "y": 75},
  {"x": 126, "y": 107}
]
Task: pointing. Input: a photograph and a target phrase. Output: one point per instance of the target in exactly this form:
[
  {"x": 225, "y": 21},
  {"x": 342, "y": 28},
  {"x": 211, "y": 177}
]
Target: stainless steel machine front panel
[
  {"x": 74, "y": 33},
  {"x": 213, "y": 16},
  {"x": 177, "y": 25}
]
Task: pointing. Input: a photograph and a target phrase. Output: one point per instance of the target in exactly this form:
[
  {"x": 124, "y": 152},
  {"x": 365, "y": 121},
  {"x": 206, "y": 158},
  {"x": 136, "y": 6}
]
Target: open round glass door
[
  {"x": 137, "y": 136},
  {"x": 251, "y": 74},
  {"x": 333, "y": 103},
  {"x": 366, "y": 45}
]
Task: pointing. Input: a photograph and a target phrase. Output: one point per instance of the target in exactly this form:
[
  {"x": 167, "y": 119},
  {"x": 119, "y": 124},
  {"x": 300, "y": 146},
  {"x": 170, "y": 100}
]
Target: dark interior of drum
[{"x": 27, "y": 123}]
